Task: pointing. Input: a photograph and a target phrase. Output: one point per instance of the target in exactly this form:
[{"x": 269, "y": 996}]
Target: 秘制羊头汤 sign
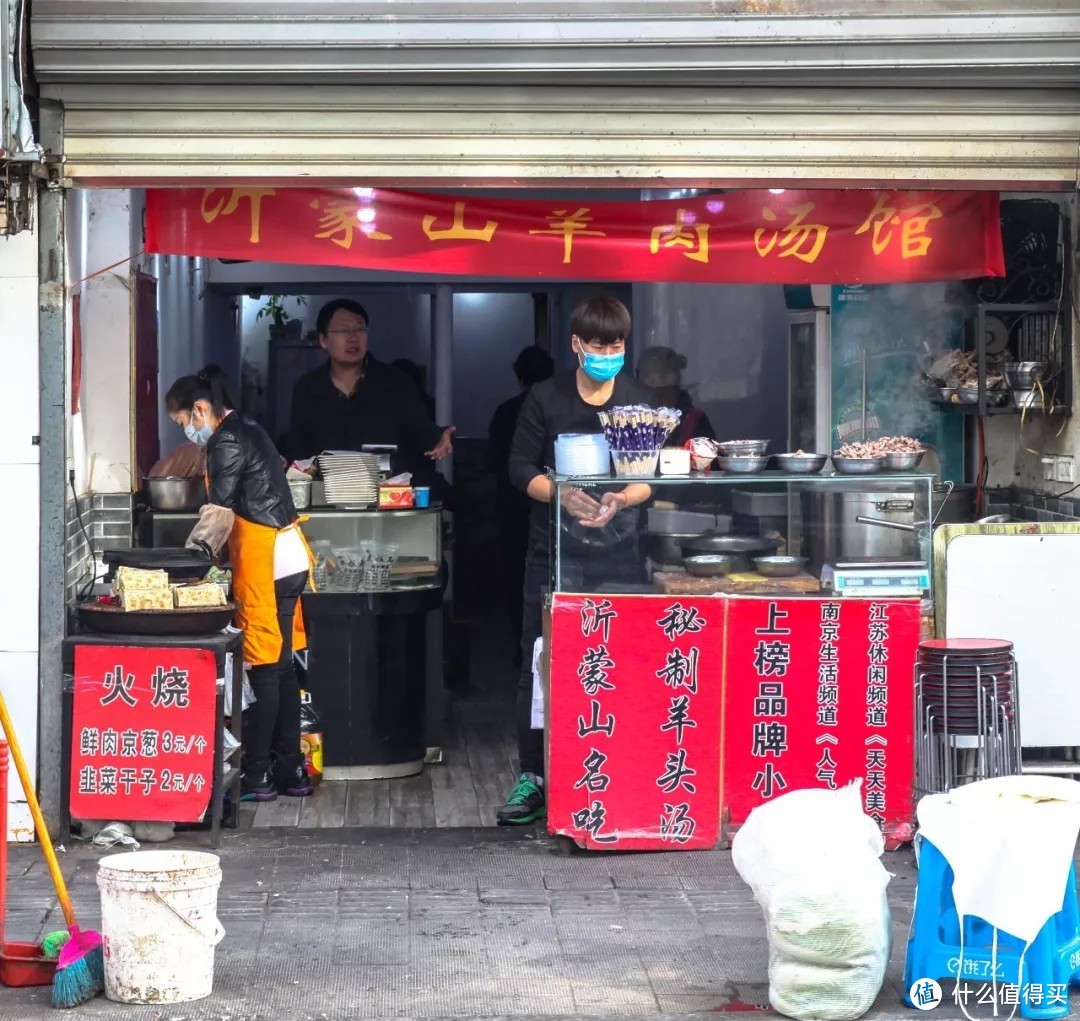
[
  {"x": 142, "y": 741},
  {"x": 771, "y": 236}
]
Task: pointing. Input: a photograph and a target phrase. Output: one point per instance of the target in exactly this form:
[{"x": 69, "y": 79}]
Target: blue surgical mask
[
  {"x": 198, "y": 436},
  {"x": 601, "y": 367}
]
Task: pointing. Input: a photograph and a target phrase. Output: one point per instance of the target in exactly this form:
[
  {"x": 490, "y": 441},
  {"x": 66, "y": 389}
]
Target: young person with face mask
[
  {"x": 566, "y": 403},
  {"x": 251, "y": 509}
]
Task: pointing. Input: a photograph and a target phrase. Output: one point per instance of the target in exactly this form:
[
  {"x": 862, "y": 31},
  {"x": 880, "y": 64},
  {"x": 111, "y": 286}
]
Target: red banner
[
  {"x": 820, "y": 693},
  {"x": 142, "y": 733},
  {"x": 634, "y": 721},
  {"x": 776, "y": 237}
]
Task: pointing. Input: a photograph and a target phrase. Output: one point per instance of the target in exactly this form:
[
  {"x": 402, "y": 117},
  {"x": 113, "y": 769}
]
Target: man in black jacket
[
  {"x": 566, "y": 403},
  {"x": 354, "y": 399}
]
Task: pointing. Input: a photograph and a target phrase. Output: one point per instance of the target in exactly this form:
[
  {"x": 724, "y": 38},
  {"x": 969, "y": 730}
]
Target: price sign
[{"x": 143, "y": 724}]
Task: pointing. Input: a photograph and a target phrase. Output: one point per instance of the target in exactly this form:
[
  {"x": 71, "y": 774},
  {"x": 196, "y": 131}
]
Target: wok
[
  {"x": 712, "y": 542},
  {"x": 194, "y": 620}
]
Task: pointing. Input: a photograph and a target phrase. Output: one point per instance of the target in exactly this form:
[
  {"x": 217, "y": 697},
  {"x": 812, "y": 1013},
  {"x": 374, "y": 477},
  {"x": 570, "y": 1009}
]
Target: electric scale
[{"x": 876, "y": 577}]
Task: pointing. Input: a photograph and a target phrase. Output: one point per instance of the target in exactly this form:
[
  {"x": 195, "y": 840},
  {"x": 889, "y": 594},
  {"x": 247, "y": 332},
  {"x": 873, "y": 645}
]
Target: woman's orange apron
[{"x": 251, "y": 550}]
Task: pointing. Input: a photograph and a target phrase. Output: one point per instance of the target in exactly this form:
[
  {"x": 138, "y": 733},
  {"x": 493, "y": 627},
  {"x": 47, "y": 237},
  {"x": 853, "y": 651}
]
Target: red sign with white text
[
  {"x": 819, "y": 693},
  {"x": 143, "y": 724},
  {"x": 758, "y": 236},
  {"x": 634, "y": 721}
]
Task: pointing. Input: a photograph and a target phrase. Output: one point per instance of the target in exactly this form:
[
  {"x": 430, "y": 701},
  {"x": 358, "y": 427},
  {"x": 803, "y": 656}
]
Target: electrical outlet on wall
[{"x": 1064, "y": 469}]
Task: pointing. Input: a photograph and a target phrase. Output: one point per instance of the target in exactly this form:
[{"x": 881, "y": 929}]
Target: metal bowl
[
  {"x": 175, "y": 493},
  {"x": 743, "y": 448},
  {"x": 970, "y": 395},
  {"x": 903, "y": 462},
  {"x": 947, "y": 393},
  {"x": 1023, "y": 375},
  {"x": 779, "y": 567},
  {"x": 858, "y": 465},
  {"x": 710, "y": 565},
  {"x": 802, "y": 464},
  {"x": 1031, "y": 400},
  {"x": 743, "y": 464}
]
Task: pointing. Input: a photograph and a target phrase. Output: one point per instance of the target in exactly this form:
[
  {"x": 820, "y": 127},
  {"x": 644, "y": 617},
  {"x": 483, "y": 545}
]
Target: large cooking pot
[
  {"x": 954, "y": 504},
  {"x": 832, "y": 531},
  {"x": 175, "y": 493},
  {"x": 865, "y": 525}
]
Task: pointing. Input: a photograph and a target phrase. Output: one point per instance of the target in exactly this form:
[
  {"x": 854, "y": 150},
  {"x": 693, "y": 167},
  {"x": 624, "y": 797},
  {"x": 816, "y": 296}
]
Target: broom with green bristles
[{"x": 80, "y": 971}]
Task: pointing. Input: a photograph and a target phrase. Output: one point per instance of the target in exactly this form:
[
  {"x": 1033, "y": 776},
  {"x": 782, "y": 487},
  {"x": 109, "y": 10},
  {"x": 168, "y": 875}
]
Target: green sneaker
[{"x": 525, "y": 803}]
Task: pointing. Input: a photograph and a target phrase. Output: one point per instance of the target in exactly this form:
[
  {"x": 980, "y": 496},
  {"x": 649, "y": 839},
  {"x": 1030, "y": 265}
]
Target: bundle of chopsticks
[{"x": 634, "y": 427}]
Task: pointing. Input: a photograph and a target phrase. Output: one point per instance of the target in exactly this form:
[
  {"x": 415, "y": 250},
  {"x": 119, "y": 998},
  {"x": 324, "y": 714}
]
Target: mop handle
[{"x": 39, "y": 820}]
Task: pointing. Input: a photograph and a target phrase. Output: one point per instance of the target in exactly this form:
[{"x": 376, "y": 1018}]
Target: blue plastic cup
[{"x": 422, "y": 496}]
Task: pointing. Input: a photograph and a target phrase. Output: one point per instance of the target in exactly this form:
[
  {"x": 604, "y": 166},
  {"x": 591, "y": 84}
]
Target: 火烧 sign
[
  {"x": 777, "y": 237},
  {"x": 820, "y": 693},
  {"x": 634, "y": 721},
  {"x": 142, "y": 733}
]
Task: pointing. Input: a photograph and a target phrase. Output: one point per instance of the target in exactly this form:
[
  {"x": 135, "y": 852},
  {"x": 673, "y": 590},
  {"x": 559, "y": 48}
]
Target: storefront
[{"x": 158, "y": 103}]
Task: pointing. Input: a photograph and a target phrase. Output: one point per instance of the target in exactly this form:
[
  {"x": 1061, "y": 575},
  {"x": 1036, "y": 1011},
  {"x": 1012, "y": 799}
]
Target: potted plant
[{"x": 283, "y": 326}]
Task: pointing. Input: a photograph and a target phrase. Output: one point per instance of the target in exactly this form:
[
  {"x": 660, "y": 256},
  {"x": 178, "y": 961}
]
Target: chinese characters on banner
[
  {"x": 142, "y": 739},
  {"x": 634, "y": 721},
  {"x": 784, "y": 237},
  {"x": 819, "y": 693}
]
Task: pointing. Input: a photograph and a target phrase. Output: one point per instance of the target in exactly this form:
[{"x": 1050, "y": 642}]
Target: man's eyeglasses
[{"x": 355, "y": 331}]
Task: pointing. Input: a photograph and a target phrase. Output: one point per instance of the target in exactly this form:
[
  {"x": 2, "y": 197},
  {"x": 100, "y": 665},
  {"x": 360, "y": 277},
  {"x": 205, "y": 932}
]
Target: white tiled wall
[{"x": 19, "y": 471}]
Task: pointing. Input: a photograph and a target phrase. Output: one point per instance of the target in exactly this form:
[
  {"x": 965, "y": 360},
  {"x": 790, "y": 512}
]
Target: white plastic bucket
[{"x": 159, "y": 925}]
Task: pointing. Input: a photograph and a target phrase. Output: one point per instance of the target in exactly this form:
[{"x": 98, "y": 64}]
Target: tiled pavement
[{"x": 350, "y": 924}]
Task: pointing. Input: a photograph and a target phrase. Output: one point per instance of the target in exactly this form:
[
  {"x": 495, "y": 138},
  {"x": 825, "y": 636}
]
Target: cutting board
[
  {"x": 674, "y": 583},
  {"x": 413, "y": 568}
]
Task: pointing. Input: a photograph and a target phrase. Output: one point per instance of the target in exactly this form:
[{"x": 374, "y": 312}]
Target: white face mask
[{"x": 200, "y": 436}]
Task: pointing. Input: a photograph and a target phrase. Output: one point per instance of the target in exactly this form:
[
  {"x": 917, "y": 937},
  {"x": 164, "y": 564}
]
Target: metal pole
[
  {"x": 442, "y": 361},
  {"x": 52, "y": 345},
  {"x": 865, "y": 373}
]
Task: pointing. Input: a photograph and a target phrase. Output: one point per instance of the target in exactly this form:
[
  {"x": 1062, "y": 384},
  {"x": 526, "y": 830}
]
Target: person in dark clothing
[
  {"x": 419, "y": 377},
  {"x": 354, "y": 399},
  {"x": 250, "y": 507},
  {"x": 566, "y": 404},
  {"x": 533, "y": 365},
  {"x": 660, "y": 369}
]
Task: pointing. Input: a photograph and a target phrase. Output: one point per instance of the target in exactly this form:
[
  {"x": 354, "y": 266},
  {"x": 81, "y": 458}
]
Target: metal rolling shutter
[{"x": 498, "y": 92}]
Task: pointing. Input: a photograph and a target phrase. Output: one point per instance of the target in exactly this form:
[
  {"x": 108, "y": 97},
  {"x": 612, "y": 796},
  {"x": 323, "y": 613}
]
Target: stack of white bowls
[{"x": 582, "y": 454}]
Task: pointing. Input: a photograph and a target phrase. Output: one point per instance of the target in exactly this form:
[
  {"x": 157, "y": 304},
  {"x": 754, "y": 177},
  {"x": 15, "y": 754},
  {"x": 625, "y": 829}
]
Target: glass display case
[
  {"x": 416, "y": 534},
  {"x": 763, "y": 534}
]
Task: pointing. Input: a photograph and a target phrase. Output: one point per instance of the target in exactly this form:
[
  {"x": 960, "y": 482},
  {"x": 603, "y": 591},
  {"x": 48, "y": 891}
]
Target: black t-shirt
[
  {"x": 550, "y": 409},
  {"x": 386, "y": 408}
]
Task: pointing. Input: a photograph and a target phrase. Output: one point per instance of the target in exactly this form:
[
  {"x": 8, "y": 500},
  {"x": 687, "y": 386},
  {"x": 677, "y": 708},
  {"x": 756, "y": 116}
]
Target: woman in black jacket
[{"x": 251, "y": 508}]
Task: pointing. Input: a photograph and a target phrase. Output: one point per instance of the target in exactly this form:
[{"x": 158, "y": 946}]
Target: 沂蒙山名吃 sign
[{"x": 634, "y": 721}]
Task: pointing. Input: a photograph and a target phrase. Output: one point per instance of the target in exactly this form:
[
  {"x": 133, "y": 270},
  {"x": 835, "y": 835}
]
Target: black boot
[
  {"x": 257, "y": 786},
  {"x": 294, "y": 782}
]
